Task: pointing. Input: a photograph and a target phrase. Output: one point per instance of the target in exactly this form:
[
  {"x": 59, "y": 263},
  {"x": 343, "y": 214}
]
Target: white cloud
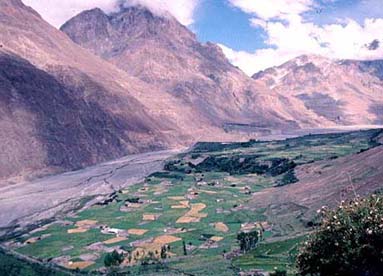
[
  {"x": 257, "y": 22},
  {"x": 57, "y": 12},
  {"x": 289, "y": 36},
  {"x": 268, "y": 9},
  {"x": 349, "y": 41},
  {"x": 251, "y": 63}
]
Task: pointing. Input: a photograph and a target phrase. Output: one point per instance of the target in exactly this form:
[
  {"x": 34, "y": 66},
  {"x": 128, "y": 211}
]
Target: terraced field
[{"x": 195, "y": 207}]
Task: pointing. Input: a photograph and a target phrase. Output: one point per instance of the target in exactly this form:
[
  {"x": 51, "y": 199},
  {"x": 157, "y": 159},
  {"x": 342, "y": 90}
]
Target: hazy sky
[{"x": 256, "y": 34}]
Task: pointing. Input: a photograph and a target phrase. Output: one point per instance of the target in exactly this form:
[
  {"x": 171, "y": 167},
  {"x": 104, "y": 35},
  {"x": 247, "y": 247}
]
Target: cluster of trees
[
  {"x": 247, "y": 240},
  {"x": 164, "y": 251},
  {"x": 245, "y": 164},
  {"x": 238, "y": 164},
  {"x": 113, "y": 259}
]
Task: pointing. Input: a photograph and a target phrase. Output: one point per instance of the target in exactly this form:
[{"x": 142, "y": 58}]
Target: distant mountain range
[
  {"x": 344, "y": 92},
  {"x": 107, "y": 85}
]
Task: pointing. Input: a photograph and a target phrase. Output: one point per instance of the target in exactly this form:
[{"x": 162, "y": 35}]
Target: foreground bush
[{"x": 348, "y": 242}]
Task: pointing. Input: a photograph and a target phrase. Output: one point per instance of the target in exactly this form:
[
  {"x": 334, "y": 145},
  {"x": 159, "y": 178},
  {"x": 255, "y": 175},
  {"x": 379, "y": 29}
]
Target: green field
[{"x": 215, "y": 177}]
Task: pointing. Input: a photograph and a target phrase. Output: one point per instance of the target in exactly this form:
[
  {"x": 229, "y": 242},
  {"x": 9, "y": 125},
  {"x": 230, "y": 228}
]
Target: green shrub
[
  {"x": 288, "y": 178},
  {"x": 349, "y": 241}
]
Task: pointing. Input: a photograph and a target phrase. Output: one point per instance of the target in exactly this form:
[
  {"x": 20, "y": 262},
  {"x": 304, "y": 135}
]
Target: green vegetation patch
[{"x": 220, "y": 177}]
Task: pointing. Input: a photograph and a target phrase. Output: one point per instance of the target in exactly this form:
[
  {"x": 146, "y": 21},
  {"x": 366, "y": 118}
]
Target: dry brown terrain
[
  {"x": 63, "y": 108},
  {"x": 324, "y": 183}
]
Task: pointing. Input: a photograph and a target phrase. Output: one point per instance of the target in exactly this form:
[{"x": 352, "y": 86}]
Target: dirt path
[{"x": 28, "y": 202}]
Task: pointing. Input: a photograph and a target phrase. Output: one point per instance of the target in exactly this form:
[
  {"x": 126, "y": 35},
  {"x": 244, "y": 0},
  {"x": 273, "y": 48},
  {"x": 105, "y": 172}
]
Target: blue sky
[
  {"x": 257, "y": 34},
  {"x": 220, "y": 22}
]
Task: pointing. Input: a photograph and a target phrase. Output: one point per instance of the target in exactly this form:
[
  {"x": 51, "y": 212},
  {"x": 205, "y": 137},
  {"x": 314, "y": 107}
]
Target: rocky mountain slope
[
  {"x": 63, "y": 108},
  {"x": 308, "y": 91},
  {"x": 161, "y": 51},
  {"x": 142, "y": 82},
  {"x": 344, "y": 92}
]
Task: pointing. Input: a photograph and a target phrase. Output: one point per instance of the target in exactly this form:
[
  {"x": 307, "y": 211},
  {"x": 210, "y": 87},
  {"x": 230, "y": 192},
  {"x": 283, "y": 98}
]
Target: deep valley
[
  {"x": 191, "y": 137},
  {"x": 202, "y": 198}
]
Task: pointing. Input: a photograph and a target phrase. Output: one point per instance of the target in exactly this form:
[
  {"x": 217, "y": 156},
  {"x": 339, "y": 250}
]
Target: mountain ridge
[
  {"x": 48, "y": 53},
  {"x": 172, "y": 58},
  {"x": 148, "y": 82},
  {"x": 344, "y": 91}
]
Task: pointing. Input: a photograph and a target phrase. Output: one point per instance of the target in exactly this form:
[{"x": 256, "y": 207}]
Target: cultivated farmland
[{"x": 195, "y": 208}]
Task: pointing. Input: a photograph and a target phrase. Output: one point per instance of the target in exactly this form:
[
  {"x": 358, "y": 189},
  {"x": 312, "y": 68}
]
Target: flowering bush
[{"x": 349, "y": 241}]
